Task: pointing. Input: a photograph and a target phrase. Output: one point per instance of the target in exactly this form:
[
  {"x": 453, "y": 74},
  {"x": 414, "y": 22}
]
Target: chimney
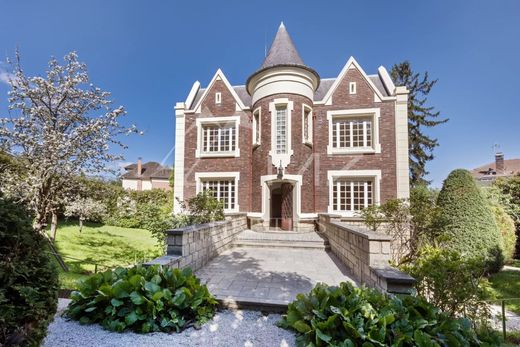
[
  {"x": 499, "y": 163},
  {"x": 139, "y": 167}
]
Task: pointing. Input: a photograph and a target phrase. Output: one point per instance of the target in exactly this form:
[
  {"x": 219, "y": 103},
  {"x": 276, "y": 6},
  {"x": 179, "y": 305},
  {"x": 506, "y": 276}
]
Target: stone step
[{"x": 282, "y": 244}]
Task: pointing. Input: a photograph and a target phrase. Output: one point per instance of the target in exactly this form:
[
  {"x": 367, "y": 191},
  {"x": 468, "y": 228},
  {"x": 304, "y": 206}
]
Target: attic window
[
  {"x": 218, "y": 98},
  {"x": 352, "y": 87}
]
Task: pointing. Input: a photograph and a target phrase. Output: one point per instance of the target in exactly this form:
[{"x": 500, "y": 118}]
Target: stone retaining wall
[
  {"x": 195, "y": 245},
  {"x": 367, "y": 254}
]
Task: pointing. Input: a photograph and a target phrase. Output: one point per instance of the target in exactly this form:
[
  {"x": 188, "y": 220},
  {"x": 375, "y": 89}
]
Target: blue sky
[{"x": 148, "y": 54}]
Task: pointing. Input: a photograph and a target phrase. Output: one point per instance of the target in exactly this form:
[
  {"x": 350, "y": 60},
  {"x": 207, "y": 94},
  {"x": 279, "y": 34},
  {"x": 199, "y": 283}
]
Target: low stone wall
[
  {"x": 195, "y": 245},
  {"x": 365, "y": 253}
]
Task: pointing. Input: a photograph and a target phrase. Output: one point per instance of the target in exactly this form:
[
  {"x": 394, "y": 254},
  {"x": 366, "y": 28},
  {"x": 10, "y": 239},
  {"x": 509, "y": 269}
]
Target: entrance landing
[{"x": 269, "y": 278}]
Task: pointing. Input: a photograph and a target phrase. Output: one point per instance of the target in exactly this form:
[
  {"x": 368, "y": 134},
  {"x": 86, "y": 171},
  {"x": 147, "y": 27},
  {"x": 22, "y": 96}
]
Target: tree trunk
[
  {"x": 80, "y": 224},
  {"x": 54, "y": 226}
]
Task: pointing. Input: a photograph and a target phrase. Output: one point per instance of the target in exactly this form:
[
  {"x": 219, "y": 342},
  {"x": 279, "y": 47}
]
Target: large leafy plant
[
  {"x": 142, "y": 299},
  {"x": 349, "y": 316}
]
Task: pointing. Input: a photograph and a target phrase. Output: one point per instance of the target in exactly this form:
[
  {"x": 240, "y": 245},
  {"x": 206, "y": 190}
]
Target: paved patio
[{"x": 269, "y": 277}]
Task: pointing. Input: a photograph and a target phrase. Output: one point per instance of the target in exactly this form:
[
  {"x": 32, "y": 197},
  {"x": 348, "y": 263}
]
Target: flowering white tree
[
  {"x": 85, "y": 209},
  {"x": 59, "y": 126}
]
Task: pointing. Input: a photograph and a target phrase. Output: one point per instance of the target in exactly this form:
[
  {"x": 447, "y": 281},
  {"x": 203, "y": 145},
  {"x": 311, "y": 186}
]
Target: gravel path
[
  {"x": 228, "y": 328},
  {"x": 512, "y": 319}
]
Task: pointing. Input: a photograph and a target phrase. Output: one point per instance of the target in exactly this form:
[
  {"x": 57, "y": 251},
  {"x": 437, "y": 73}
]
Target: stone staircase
[{"x": 281, "y": 239}]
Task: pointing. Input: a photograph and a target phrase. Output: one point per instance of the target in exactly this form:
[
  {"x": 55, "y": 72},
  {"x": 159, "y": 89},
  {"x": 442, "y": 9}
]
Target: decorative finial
[{"x": 281, "y": 25}]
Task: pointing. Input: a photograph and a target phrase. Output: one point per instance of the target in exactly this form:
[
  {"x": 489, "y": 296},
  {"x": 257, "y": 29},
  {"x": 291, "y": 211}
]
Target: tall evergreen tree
[{"x": 420, "y": 116}]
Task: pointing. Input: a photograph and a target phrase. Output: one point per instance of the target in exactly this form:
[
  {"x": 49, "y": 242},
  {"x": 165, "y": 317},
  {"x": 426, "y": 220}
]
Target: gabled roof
[
  {"x": 201, "y": 93},
  {"x": 282, "y": 51},
  {"x": 511, "y": 167},
  {"x": 150, "y": 169},
  {"x": 372, "y": 82}
]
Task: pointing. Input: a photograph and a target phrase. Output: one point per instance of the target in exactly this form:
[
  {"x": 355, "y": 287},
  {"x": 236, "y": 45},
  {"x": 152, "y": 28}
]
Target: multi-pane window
[
  {"x": 256, "y": 127},
  {"x": 281, "y": 129},
  {"x": 218, "y": 138},
  {"x": 223, "y": 190},
  {"x": 349, "y": 195},
  {"x": 307, "y": 125},
  {"x": 352, "y": 133}
]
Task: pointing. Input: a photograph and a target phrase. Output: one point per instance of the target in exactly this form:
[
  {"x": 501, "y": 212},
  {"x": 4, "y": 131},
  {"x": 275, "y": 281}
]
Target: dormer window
[
  {"x": 352, "y": 88},
  {"x": 218, "y": 98}
]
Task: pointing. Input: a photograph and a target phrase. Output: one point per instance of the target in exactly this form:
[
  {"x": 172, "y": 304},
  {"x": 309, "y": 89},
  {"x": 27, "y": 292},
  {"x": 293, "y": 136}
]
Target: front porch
[{"x": 268, "y": 277}]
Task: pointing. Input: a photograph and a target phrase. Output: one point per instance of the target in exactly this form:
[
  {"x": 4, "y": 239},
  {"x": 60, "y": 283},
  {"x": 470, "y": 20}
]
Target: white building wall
[{"x": 129, "y": 184}]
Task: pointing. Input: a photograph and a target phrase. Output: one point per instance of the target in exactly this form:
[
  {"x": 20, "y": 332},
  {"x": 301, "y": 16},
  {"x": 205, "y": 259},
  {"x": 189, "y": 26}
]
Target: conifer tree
[{"x": 420, "y": 117}]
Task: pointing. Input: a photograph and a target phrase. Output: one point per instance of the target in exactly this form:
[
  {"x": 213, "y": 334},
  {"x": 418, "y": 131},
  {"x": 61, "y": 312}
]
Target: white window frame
[
  {"x": 372, "y": 113},
  {"x": 352, "y": 88},
  {"x": 283, "y": 158},
  {"x": 218, "y": 98},
  {"x": 257, "y": 125},
  {"x": 200, "y": 122},
  {"x": 309, "y": 125},
  {"x": 205, "y": 176},
  {"x": 374, "y": 175}
]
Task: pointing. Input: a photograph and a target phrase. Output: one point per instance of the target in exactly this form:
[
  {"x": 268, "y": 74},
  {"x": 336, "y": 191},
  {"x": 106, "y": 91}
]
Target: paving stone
[{"x": 270, "y": 275}]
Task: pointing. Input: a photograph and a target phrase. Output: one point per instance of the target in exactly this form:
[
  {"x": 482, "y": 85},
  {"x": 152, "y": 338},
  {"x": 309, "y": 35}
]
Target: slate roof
[
  {"x": 323, "y": 88},
  {"x": 150, "y": 169},
  {"x": 282, "y": 51},
  {"x": 511, "y": 167}
]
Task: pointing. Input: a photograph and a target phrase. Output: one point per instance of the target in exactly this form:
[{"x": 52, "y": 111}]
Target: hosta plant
[
  {"x": 349, "y": 316},
  {"x": 142, "y": 299}
]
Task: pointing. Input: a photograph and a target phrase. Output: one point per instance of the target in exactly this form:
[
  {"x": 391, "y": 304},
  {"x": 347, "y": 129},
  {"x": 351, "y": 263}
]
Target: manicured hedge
[
  {"x": 142, "y": 300},
  {"x": 466, "y": 221},
  {"x": 28, "y": 279},
  {"x": 349, "y": 316}
]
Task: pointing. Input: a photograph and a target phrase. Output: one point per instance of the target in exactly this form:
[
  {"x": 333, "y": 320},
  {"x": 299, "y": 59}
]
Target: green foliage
[
  {"x": 149, "y": 209},
  {"x": 142, "y": 300},
  {"x": 448, "y": 281},
  {"x": 349, "y": 316},
  {"x": 412, "y": 224},
  {"x": 466, "y": 221},
  {"x": 509, "y": 197},
  {"x": 28, "y": 279},
  {"x": 420, "y": 117},
  {"x": 204, "y": 208}
]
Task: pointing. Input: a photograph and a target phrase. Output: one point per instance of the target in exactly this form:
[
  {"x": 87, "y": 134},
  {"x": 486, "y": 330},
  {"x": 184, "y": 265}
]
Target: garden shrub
[
  {"x": 466, "y": 221},
  {"x": 142, "y": 299},
  {"x": 350, "y": 316},
  {"x": 454, "y": 284},
  {"x": 28, "y": 279}
]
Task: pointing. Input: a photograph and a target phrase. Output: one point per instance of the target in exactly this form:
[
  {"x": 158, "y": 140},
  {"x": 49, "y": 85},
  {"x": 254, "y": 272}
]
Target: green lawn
[
  {"x": 104, "y": 245},
  {"x": 506, "y": 284}
]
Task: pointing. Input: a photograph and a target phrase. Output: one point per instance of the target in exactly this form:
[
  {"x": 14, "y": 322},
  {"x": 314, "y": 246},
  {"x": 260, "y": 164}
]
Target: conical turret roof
[{"x": 282, "y": 51}]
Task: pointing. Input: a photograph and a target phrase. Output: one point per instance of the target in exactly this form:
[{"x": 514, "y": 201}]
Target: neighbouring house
[
  {"x": 147, "y": 176},
  {"x": 488, "y": 173},
  {"x": 289, "y": 144}
]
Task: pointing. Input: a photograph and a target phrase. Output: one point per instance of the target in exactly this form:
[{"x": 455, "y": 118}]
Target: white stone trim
[
  {"x": 373, "y": 174},
  {"x": 285, "y": 158},
  {"x": 219, "y": 75},
  {"x": 191, "y": 96},
  {"x": 374, "y": 113},
  {"x": 257, "y": 142},
  {"x": 352, "y": 88},
  {"x": 401, "y": 143},
  {"x": 218, "y": 98},
  {"x": 266, "y": 198},
  {"x": 351, "y": 64},
  {"x": 310, "y": 125},
  {"x": 281, "y": 80},
  {"x": 218, "y": 120},
  {"x": 178, "y": 187},
  {"x": 199, "y": 176},
  {"x": 387, "y": 80}
]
